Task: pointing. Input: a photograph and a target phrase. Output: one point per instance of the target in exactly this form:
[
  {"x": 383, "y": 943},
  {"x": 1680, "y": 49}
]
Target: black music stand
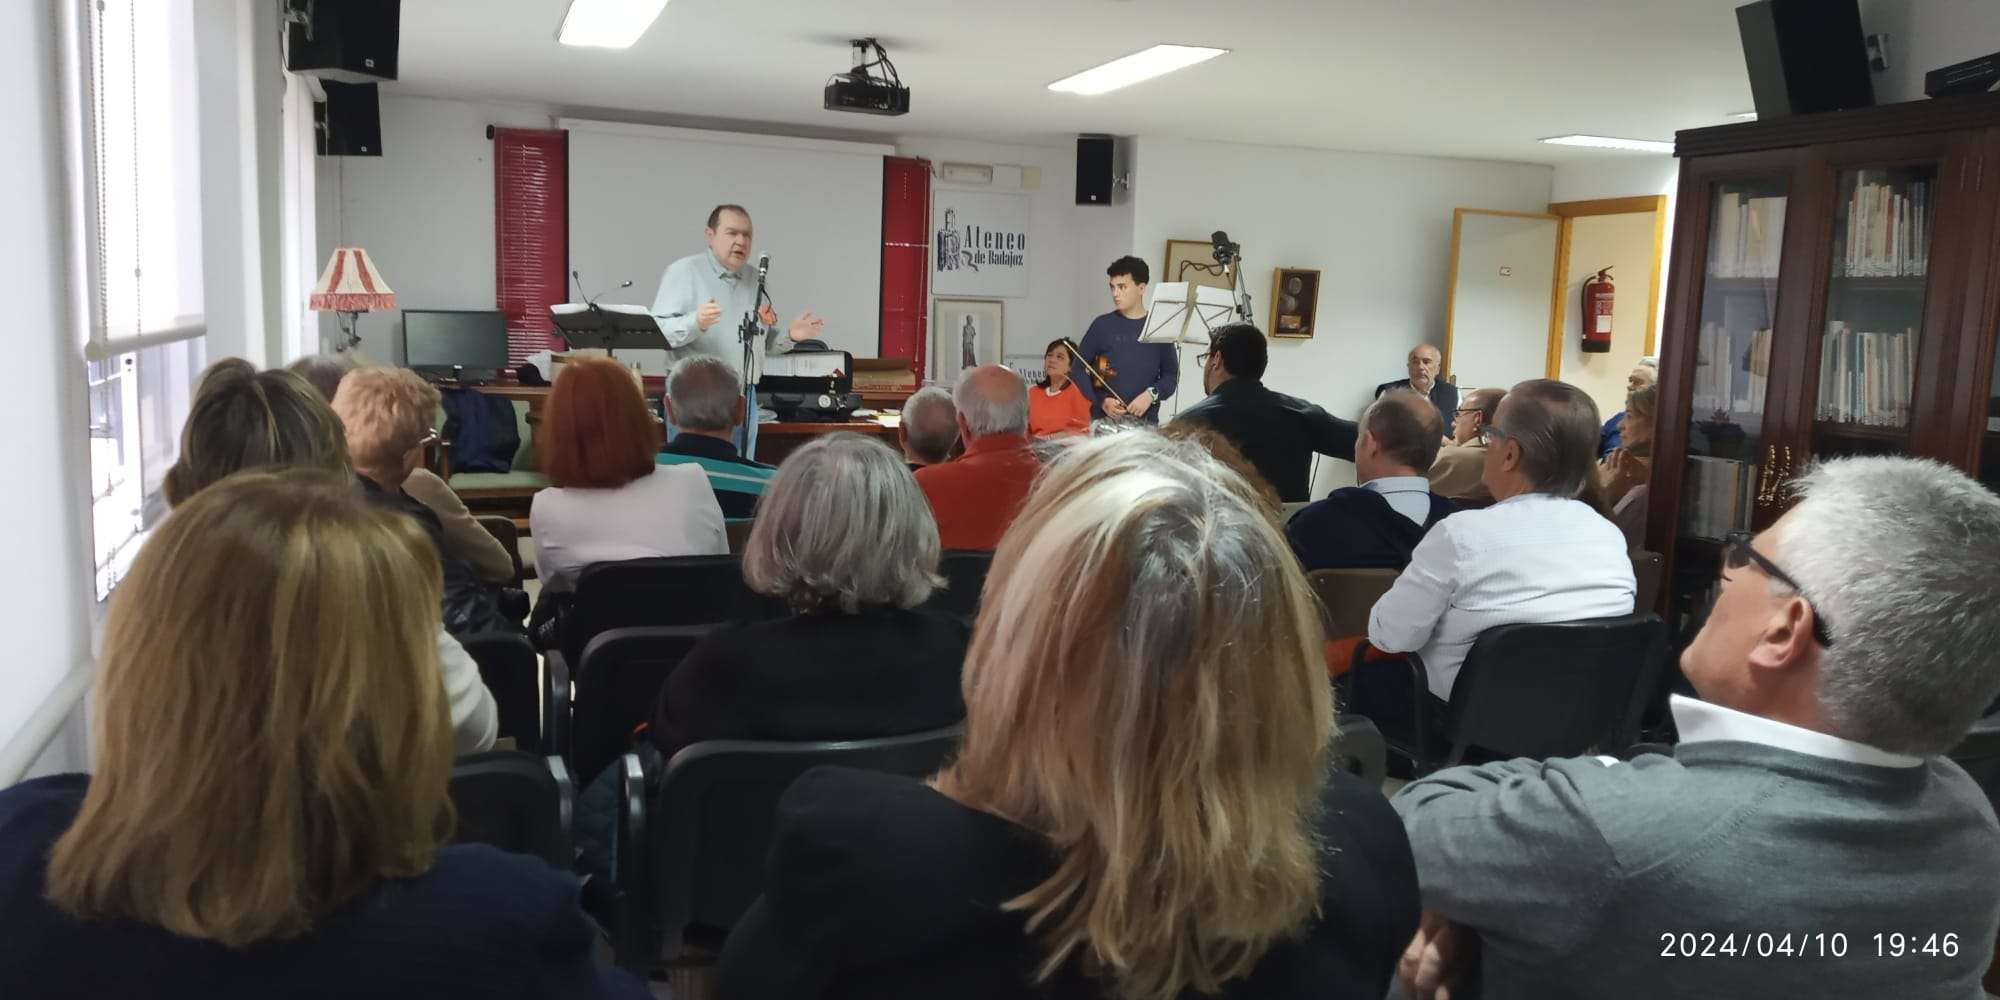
[{"x": 609, "y": 328}]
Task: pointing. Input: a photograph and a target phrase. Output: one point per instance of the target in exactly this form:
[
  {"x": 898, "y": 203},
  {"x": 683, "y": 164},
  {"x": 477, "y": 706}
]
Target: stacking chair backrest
[
  {"x": 508, "y": 665},
  {"x": 514, "y": 801},
  {"x": 1347, "y": 595},
  {"x": 618, "y": 684},
  {"x": 1554, "y": 690},
  {"x": 683, "y": 590}
]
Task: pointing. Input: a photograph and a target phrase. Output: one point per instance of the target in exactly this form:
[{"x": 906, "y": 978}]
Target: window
[{"x": 140, "y": 188}]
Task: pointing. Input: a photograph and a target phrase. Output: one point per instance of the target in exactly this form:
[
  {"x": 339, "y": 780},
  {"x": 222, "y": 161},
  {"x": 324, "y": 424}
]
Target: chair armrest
[
  {"x": 565, "y": 807},
  {"x": 555, "y": 704},
  {"x": 1362, "y": 743},
  {"x": 629, "y": 938}
]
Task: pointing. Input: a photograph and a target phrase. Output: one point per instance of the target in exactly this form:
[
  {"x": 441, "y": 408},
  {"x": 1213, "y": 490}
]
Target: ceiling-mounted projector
[{"x": 871, "y": 87}]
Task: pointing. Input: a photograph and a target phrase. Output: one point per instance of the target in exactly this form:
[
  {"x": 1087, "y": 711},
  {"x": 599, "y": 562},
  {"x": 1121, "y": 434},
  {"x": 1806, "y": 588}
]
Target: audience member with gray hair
[
  {"x": 929, "y": 427},
  {"x": 1643, "y": 374},
  {"x": 1537, "y": 555},
  {"x": 846, "y": 541},
  {"x": 705, "y": 401},
  {"x": 1849, "y": 647},
  {"x": 1378, "y": 524},
  {"x": 977, "y": 496}
]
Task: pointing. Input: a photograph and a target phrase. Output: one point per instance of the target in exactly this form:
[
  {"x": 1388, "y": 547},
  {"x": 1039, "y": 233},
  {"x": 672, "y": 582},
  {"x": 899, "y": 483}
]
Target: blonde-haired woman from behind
[
  {"x": 1143, "y": 807},
  {"x": 268, "y": 806}
]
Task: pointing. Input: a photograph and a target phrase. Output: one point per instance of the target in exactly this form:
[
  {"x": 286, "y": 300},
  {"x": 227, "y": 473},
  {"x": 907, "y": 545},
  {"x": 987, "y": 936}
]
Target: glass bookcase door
[
  {"x": 1882, "y": 223},
  {"x": 1722, "y": 483}
]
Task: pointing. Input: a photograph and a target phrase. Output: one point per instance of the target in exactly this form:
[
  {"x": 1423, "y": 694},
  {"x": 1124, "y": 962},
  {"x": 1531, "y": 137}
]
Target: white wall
[
  {"x": 1624, "y": 243},
  {"x": 1927, "y": 34},
  {"x": 1377, "y": 226},
  {"x": 1626, "y": 177},
  {"x": 1500, "y": 305},
  {"x": 423, "y": 210},
  {"x": 1075, "y": 243},
  {"x": 48, "y": 593}
]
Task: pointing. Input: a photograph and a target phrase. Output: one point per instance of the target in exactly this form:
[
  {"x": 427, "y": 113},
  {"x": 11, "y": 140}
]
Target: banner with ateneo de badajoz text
[{"x": 979, "y": 244}]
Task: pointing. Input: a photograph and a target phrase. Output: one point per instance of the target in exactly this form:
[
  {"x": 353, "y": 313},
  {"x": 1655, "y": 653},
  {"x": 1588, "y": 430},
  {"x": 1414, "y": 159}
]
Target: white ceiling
[{"x": 1469, "y": 78}]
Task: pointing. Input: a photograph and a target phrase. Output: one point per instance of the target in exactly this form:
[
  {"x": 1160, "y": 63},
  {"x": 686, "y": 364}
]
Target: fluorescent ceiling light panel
[
  {"x": 1609, "y": 142},
  {"x": 608, "y": 24},
  {"x": 1156, "y": 61}
]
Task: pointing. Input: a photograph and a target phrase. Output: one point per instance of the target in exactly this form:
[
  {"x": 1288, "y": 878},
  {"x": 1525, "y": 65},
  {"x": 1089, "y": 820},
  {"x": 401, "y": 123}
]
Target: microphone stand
[{"x": 749, "y": 332}]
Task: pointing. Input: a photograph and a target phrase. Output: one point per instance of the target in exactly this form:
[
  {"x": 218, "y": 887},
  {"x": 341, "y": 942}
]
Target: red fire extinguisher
[{"x": 1597, "y": 297}]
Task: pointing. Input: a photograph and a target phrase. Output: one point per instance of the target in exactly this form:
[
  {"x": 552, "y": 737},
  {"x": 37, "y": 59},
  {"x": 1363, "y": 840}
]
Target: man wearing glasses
[
  {"x": 1461, "y": 463},
  {"x": 1279, "y": 434},
  {"x": 1806, "y": 837}
]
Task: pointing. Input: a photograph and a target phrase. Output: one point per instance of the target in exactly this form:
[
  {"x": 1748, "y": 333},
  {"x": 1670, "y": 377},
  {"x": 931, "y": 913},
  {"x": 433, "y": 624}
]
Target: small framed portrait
[
  {"x": 1294, "y": 302},
  {"x": 966, "y": 333}
]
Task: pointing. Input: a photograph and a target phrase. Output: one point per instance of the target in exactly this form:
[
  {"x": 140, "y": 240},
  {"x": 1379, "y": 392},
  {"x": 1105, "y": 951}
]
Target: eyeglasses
[
  {"x": 1737, "y": 553},
  {"x": 1494, "y": 431},
  {"x": 430, "y": 437},
  {"x": 1202, "y": 358},
  {"x": 1462, "y": 411}
]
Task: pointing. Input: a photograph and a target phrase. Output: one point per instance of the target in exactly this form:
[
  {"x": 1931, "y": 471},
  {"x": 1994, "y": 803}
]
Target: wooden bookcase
[{"x": 1834, "y": 290}]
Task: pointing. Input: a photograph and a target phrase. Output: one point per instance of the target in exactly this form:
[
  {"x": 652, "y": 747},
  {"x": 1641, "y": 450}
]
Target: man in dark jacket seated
[
  {"x": 1276, "y": 432},
  {"x": 1377, "y": 524}
]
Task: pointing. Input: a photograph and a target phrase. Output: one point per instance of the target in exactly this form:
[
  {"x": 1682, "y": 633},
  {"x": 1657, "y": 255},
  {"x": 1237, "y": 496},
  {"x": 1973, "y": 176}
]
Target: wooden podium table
[{"x": 777, "y": 439}]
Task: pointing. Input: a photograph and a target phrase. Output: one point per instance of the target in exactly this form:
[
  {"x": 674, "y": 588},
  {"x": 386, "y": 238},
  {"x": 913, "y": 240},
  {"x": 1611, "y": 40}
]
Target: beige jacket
[
  {"x": 1455, "y": 474},
  {"x": 463, "y": 537}
]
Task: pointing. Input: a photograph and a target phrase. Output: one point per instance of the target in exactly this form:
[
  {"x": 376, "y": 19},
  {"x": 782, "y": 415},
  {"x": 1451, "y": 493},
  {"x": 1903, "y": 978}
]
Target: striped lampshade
[{"x": 350, "y": 283}]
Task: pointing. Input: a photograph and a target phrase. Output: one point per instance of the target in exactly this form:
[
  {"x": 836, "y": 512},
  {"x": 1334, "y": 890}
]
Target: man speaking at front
[{"x": 702, "y": 302}]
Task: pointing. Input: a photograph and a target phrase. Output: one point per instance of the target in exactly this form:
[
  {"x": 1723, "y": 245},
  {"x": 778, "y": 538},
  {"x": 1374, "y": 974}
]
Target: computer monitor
[{"x": 472, "y": 339}]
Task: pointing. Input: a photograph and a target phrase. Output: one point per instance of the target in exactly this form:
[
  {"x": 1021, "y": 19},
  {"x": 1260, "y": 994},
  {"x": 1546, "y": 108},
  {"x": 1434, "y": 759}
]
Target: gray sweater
[{"x": 1578, "y": 875}]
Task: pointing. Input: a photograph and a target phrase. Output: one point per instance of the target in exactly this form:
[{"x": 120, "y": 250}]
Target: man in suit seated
[
  {"x": 1424, "y": 364},
  {"x": 1849, "y": 648},
  {"x": 1461, "y": 465},
  {"x": 928, "y": 428},
  {"x": 1276, "y": 432},
  {"x": 976, "y": 496},
  {"x": 705, "y": 401},
  {"x": 1377, "y": 524},
  {"x": 1537, "y": 555}
]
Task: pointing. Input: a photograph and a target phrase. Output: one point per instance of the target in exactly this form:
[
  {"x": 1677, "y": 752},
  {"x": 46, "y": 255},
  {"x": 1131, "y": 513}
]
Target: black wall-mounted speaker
[
  {"x": 353, "y": 41},
  {"x": 349, "y": 121},
  {"x": 1805, "y": 56},
  {"x": 1094, "y": 154}
]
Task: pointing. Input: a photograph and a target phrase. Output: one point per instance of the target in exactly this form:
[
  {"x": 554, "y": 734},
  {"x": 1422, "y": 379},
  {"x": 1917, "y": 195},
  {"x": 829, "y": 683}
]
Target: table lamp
[{"x": 348, "y": 287}]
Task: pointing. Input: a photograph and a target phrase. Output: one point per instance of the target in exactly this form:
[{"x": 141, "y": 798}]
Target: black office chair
[
  {"x": 1360, "y": 750},
  {"x": 692, "y": 852},
  {"x": 1538, "y": 690},
  {"x": 683, "y": 590},
  {"x": 508, "y": 665},
  {"x": 617, "y": 686},
  {"x": 964, "y": 573},
  {"x": 516, "y": 802}
]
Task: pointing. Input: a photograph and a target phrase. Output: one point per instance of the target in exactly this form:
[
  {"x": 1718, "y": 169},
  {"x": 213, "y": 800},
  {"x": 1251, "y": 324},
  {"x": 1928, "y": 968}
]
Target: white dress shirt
[
  {"x": 475, "y": 720},
  {"x": 691, "y": 281},
  {"x": 1409, "y": 496},
  {"x": 669, "y": 512},
  {"x": 1702, "y": 722},
  {"x": 1529, "y": 558}
]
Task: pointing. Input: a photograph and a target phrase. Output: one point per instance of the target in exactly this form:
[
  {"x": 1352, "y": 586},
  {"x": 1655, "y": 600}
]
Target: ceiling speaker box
[
  {"x": 349, "y": 121},
  {"x": 1094, "y": 155},
  {"x": 1805, "y": 56},
  {"x": 351, "y": 41}
]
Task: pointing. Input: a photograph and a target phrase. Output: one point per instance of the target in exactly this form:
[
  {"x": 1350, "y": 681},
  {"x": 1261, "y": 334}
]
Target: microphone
[
  {"x": 573, "y": 276},
  {"x": 1225, "y": 251},
  {"x": 763, "y": 267}
]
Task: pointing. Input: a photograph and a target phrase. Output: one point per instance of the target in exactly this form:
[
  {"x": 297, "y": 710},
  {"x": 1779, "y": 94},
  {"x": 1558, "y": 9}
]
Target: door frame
[
  {"x": 1569, "y": 211},
  {"x": 1458, "y": 215}
]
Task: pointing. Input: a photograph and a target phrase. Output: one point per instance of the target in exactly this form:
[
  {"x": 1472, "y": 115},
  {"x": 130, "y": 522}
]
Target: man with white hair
[
  {"x": 928, "y": 428},
  {"x": 706, "y": 402},
  {"x": 1643, "y": 374},
  {"x": 1807, "y": 837},
  {"x": 977, "y": 496}
]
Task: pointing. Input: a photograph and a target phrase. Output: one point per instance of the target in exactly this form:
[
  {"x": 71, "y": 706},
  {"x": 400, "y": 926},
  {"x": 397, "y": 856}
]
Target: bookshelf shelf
[
  {"x": 1908, "y": 285},
  {"x": 1742, "y": 286}
]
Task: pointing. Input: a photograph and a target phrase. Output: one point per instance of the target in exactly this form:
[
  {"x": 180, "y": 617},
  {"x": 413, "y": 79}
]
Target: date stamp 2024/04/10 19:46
[{"x": 1807, "y": 945}]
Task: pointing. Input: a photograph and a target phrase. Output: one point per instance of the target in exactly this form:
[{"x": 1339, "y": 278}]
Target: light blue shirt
[
  {"x": 1409, "y": 496},
  {"x": 691, "y": 281}
]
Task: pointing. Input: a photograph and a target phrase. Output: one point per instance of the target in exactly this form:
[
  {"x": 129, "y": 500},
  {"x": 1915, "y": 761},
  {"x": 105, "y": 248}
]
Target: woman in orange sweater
[{"x": 1056, "y": 405}]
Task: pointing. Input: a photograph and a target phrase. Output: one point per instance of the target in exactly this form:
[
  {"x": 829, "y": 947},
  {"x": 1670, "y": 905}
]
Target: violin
[{"x": 1101, "y": 371}]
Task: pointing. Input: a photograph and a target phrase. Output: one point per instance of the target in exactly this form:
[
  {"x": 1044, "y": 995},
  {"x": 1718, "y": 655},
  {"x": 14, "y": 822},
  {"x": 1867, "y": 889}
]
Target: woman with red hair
[{"x": 608, "y": 500}]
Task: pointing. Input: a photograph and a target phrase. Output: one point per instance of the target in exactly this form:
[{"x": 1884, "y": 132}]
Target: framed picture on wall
[
  {"x": 1202, "y": 269},
  {"x": 1294, "y": 302},
  {"x": 966, "y": 333}
]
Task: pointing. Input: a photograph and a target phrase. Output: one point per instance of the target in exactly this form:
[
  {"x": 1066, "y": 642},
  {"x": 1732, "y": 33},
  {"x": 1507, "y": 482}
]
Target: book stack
[
  {"x": 1717, "y": 365},
  {"x": 1719, "y": 493},
  {"x": 1749, "y": 233},
  {"x": 1864, "y": 378},
  {"x": 1888, "y": 228}
]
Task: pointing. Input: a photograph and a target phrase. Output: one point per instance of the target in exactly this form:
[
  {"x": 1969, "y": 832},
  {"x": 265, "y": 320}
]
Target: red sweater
[
  {"x": 1066, "y": 412},
  {"x": 977, "y": 496}
]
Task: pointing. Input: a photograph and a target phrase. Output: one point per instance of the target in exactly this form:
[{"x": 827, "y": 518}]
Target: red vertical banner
[
  {"x": 531, "y": 234},
  {"x": 906, "y": 271}
]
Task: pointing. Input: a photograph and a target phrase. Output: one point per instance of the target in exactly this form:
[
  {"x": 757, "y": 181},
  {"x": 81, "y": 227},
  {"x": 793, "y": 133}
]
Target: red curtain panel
[
  {"x": 906, "y": 247},
  {"x": 531, "y": 233}
]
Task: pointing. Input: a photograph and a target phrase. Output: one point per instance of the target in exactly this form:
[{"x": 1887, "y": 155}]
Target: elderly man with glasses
[{"x": 1806, "y": 837}]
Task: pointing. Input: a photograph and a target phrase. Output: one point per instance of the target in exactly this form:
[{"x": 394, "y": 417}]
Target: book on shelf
[
  {"x": 1865, "y": 377},
  {"x": 1888, "y": 228},
  {"x": 1729, "y": 378},
  {"x": 1719, "y": 493},
  {"x": 1749, "y": 236}
]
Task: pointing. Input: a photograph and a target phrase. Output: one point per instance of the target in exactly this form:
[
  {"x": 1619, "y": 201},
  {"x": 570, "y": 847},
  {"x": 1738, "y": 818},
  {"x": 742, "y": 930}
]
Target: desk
[{"x": 778, "y": 439}]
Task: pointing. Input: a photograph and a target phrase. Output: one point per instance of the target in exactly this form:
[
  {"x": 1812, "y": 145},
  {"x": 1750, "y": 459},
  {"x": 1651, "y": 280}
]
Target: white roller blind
[{"x": 639, "y": 198}]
